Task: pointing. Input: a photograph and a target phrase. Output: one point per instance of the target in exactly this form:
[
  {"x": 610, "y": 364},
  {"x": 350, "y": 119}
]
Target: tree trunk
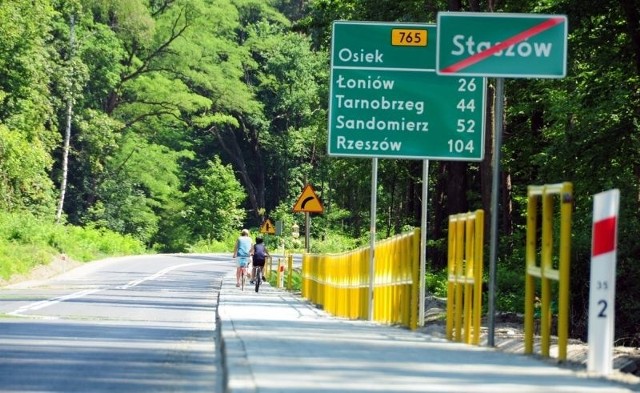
[
  {"x": 259, "y": 177},
  {"x": 231, "y": 146},
  {"x": 65, "y": 160},
  {"x": 457, "y": 187},
  {"x": 507, "y": 205},
  {"x": 454, "y": 5},
  {"x": 632, "y": 16},
  {"x": 440, "y": 222},
  {"x": 67, "y": 133},
  {"x": 506, "y": 200}
]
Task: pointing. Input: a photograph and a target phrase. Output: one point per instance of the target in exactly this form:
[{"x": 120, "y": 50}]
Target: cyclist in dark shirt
[{"x": 259, "y": 252}]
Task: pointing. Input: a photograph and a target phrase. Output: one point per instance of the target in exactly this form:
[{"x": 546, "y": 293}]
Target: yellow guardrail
[
  {"x": 464, "y": 291},
  {"x": 340, "y": 282},
  {"x": 544, "y": 268}
]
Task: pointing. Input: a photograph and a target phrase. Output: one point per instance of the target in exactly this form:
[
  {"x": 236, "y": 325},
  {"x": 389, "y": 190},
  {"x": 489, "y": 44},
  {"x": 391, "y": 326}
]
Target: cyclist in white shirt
[{"x": 242, "y": 251}]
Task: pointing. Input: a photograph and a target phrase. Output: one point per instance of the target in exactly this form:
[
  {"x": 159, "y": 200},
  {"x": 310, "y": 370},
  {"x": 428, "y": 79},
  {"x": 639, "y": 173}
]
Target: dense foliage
[
  {"x": 27, "y": 242},
  {"x": 177, "y": 122}
]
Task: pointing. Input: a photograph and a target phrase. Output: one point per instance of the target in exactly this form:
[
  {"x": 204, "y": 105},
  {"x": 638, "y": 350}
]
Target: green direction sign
[
  {"x": 387, "y": 101},
  {"x": 501, "y": 45}
]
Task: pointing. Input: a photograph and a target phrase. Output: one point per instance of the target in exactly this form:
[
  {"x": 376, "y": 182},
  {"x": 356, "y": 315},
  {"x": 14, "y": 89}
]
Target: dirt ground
[{"x": 509, "y": 337}]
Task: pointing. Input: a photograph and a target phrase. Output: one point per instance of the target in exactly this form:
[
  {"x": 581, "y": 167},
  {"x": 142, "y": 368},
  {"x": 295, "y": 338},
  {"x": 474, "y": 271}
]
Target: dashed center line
[
  {"x": 76, "y": 295},
  {"x": 49, "y": 302}
]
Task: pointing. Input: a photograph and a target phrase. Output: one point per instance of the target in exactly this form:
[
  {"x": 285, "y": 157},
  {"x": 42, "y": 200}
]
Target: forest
[{"x": 176, "y": 123}]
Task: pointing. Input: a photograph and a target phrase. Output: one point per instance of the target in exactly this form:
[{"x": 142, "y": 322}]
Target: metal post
[
  {"x": 497, "y": 146},
  {"x": 423, "y": 241},
  {"x": 374, "y": 189},
  {"x": 307, "y": 230},
  {"x": 566, "y": 200}
]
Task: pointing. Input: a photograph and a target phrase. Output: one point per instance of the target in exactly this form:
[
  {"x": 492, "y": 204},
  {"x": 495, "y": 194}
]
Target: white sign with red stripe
[{"x": 603, "y": 281}]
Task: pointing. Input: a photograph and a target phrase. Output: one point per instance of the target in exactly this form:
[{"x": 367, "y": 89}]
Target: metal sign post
[
  {"x": 423, "y": 240},
  {"x": 495, "y": 192},
  {"x": 307, "y": 231},
  {"x": 372, "y": 254}
]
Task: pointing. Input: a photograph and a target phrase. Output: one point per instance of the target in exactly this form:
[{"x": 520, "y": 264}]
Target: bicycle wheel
[{"x": 258, "y": 278}]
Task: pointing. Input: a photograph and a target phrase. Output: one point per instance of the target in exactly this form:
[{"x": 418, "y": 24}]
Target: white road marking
[
  {"x": 50, "y": 302},
  {"x": 159, "y": 274}
]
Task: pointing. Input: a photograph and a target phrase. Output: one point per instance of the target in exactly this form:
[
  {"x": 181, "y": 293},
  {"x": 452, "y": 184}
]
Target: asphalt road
[{"x": 140, "y": 324}]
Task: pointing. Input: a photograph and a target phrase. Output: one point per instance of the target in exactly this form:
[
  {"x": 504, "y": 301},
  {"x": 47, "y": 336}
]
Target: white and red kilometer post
[{"x": 603, "y": 281}]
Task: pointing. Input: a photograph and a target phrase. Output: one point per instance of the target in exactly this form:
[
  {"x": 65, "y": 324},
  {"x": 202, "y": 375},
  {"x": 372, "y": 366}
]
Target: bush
[
  {"x": 333, "y": 242},
  {"x": 296, "y": 280},
  {"x": 86, "y": 244},
  {"x": 27, "y": 242},
  {"x": 18, "y": 258},
  {"x": 509, "y": 289},
  {"x": 437, "y": 283},
  {"x": 226, "y": 244}
]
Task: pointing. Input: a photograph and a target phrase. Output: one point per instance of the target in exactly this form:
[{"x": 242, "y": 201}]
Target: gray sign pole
[
  {"x": 307, "y": 231},
  {"x": 495, "y": 192},
  {"x": 372, "y": 259},
  {"x": 423, "y": 240}
]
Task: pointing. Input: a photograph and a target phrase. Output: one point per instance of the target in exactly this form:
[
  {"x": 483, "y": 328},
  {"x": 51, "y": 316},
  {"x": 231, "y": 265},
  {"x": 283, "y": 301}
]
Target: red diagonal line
[{"x": 546, "y": 25}]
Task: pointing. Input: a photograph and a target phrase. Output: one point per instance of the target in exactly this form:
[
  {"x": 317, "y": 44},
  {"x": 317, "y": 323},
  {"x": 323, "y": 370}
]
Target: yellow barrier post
[
  {"x": 565, "y": 269},
  {"x": 417, "y": 282},
  {"x": 547, "y": 264},
  {"x": 531, "y": 272},
  {"x": 304, "y": 285},
  {"x": 469, "y": 250},
  {"x": 267, "y": 267},
  {"x": 363, "y": 262},
  {"x": 280, "y": 278},
  {"x": 464, "y": 288},
  {"x": 457, "y": 322},
  {"x": 476, "y": 272},
  {"x": 290, "y": 272},
  {"x": 545, "y": 270},
  {"x": 451, "y": 254}
]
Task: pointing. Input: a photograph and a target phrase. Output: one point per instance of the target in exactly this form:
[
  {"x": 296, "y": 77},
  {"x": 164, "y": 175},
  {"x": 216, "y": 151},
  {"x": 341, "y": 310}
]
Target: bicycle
[{"x": 257, "y": 276}]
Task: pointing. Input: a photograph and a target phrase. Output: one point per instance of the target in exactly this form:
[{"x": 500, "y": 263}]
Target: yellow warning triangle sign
[
  {"x": 308, "y": 201},
  {"x": 268, "y": 227}
]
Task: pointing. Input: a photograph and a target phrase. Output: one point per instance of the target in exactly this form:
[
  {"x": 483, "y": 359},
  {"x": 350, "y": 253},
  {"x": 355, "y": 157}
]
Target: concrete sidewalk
[{"x": 274, "y": 341}]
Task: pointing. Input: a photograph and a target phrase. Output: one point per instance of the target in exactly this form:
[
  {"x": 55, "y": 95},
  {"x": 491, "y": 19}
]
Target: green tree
[
  {"x": 213, "y": 202},
  {"x": 143, "y": 182},
  {"x": 27, "y": 132},
  {"x": 591, "y": 137},
  {"x": 291, "y": 83}
]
